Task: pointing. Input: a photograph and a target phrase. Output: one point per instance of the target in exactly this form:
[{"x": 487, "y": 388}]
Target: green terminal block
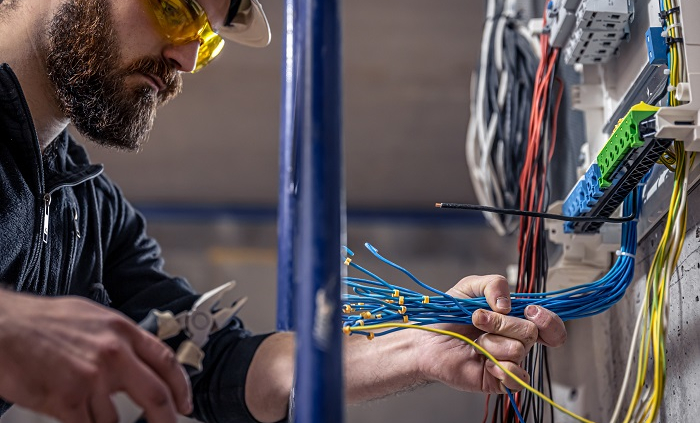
[{"x": 624, "y": 138}]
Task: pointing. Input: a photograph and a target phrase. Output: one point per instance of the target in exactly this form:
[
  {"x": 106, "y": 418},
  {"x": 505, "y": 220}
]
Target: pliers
[{"x": 208, "y": 315}]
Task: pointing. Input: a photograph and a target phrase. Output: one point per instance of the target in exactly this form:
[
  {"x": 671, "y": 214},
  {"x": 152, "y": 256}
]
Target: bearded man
[{"x": 80, "y": 269}]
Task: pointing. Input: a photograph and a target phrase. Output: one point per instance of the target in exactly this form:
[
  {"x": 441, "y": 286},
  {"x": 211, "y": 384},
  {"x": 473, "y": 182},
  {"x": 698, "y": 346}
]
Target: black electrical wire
[{"x": 515, "y": 212}]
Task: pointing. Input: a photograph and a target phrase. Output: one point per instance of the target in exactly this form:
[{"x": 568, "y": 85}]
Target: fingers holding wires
[
  {"x": 493, "y": 287},
  {"x": 496, "y": 379},
  {"x": 509, "y": 340},
  {"x": 541, "y": 326},
  {"x": 520, "y": 330},
  {"x": 503, "y": 348},
  {"x": 551, "y": 331}
]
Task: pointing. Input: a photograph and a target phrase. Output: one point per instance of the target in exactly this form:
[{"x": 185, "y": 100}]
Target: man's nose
[{"x": 182, "y": 57}]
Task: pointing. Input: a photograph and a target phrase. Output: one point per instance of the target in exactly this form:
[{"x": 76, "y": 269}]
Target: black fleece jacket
[{"x": 66, "y": 229}]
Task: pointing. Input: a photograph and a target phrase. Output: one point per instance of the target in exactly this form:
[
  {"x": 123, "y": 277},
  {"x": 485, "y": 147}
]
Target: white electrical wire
[
  {"x": 630, "y": 359},
  {"x": 484, "y": 148},
  {"x": 480, "y": 138}
]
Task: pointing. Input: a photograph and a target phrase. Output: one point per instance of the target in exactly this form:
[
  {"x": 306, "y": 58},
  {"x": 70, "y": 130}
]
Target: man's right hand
[{"x": 65, "y": 356}]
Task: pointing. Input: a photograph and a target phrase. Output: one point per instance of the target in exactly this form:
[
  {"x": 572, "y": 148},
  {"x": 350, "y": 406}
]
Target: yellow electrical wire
[
  {"x": 480, "y": 349},
  {"x": 668, "y": 162},
  {"x": 653, "y": 337},
  {"x": 645, "y": 407}
]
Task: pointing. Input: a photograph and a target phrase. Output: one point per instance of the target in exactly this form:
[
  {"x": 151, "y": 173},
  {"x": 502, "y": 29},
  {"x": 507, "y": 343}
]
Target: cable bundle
[
  {"x": 652, "y": 321},
  {"x": 375, "y": 299},
  {"x": 500, "y": 109}
]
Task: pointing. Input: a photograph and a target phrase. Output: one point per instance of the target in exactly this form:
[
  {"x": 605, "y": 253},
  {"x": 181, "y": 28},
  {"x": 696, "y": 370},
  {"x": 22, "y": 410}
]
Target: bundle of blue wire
[{"x": 374, "y": 300}]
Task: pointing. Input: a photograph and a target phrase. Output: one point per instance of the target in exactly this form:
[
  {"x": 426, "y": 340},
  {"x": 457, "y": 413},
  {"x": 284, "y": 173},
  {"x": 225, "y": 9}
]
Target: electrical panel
[
  {"x": 638, "y": 63},
  {"x": 621, "y": 51}
]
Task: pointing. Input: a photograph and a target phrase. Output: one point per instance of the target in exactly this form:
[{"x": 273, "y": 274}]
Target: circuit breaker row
[{"x": 588, "y": 31}]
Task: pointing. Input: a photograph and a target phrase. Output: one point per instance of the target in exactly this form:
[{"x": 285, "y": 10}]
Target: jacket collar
[{"x": 65, "y": 163}]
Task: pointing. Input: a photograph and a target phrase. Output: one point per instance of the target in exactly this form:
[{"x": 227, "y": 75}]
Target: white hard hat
[{"x": 249, "y": 25}]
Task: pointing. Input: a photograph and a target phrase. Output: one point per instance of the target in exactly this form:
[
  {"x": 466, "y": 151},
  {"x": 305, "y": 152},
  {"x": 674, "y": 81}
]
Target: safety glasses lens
[
  {"x": 210, "y": 46},
  {"x": 184, "y": 21},
  {"x": 178, "y": 21}
]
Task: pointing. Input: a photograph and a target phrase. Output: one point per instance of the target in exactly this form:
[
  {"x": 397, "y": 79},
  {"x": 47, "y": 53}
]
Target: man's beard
[{"x": 83, "y": 64}]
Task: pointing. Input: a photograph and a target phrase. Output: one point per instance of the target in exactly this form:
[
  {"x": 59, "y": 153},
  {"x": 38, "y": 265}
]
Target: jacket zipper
[
  {"x": 75, "y": 223},
  {"x": 47, "y": 203},
  {"x": 72, "y": 245}
]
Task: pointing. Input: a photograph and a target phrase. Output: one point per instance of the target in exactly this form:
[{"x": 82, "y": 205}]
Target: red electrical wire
[
  {"x": 533, "y": 177},
  {"x": 486, "y": 411}
]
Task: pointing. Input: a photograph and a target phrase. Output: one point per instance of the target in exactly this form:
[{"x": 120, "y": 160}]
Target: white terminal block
[
  {"x": 601, "y": 25},
  {"x": 603, "y": 15},
  {"x": 683, "y": 122},
  {"x": 589, "y": 47}
]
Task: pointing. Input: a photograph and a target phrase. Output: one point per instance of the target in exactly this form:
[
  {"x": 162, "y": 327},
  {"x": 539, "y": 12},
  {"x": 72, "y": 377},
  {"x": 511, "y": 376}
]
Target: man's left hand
[{"x": 509, "y": 339}]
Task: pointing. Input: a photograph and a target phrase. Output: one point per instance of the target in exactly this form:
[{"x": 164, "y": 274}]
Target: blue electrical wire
[
  {"x": 376, "y": 300},
  {"x": 515, "y": 405}
]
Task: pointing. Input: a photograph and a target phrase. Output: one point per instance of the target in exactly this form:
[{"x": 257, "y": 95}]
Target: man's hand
[
  {"x": 64, "y": 357},
  {"x": 509, "y": 339}
]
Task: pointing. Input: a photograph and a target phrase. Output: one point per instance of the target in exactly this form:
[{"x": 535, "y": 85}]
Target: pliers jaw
[{"x": 204, "y": 318}]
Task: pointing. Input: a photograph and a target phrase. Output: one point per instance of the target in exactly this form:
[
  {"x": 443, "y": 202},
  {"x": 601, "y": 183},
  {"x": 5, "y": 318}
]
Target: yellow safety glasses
[{"x": 184, "y": 21}]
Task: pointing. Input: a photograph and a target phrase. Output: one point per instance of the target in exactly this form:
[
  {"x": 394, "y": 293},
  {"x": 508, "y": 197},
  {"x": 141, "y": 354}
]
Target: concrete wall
[{"x": 683, "y": 340}]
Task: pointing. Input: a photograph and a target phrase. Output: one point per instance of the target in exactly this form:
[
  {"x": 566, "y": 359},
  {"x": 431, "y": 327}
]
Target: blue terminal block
[
  {"x": 656, "y": 46},
  {"x": 584, "y": 196},
  {"x": 575, "y": 204},
  {"x": 592, "y": 179}
]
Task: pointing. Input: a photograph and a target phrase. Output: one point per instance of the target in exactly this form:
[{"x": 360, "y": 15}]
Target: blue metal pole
[
  {"x": 290, "y": 114},
  {"x": 319, "y": 388}
]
